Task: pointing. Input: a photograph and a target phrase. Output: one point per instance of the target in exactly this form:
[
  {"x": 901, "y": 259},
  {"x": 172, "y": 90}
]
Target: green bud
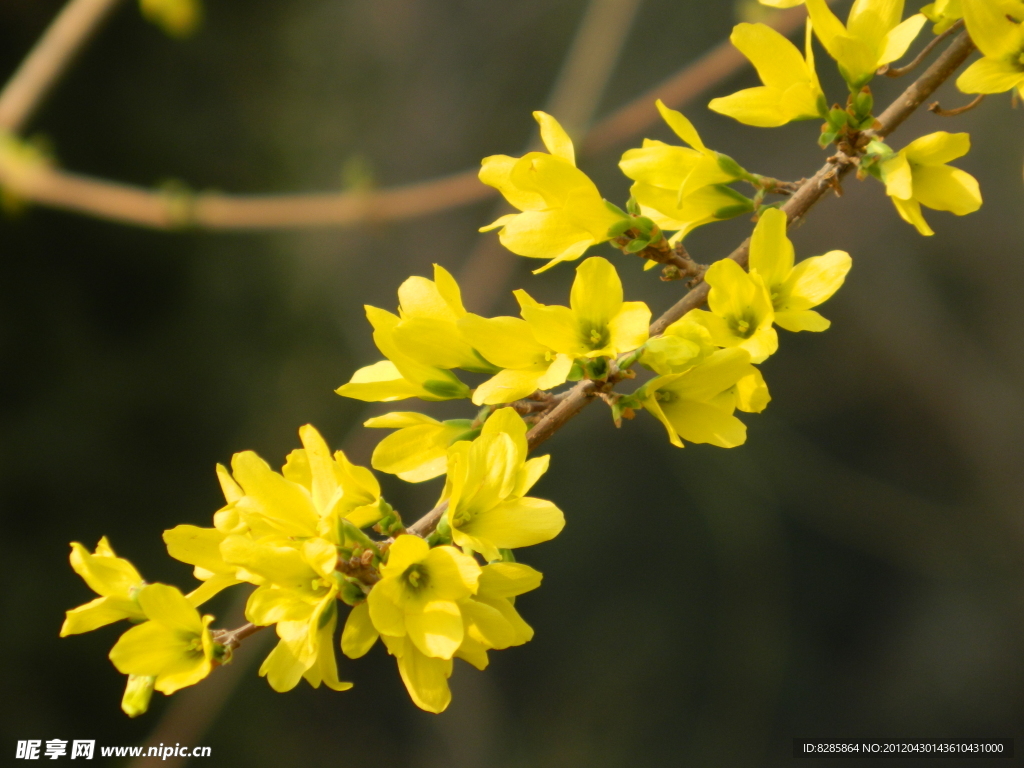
[
  {"x": 731, "y": 167},
  {"x": 633, "y": 206},
  {"x": 615, "y": 209},
  {"x": 351, "y": 593},
  {"x": 619, "y": 228},
  {"x": 863, "y": 103},
  {"x": 446, "y": 390},
  {"x": 137, "y": 694},
  {"x": 576, "y": 372},
  {"x": 637, "y": 245}
]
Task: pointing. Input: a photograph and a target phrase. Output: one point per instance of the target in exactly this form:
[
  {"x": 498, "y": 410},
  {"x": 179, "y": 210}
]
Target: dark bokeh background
[{"x": 854, "y": 570}]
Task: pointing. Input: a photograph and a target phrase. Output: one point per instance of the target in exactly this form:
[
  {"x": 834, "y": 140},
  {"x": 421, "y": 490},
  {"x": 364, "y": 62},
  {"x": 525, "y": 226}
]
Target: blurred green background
[{"x": 854, "y": 570}]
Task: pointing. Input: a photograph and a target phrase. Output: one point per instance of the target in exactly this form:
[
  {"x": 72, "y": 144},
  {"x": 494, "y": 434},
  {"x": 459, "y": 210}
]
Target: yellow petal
[
  {"x": 552, "y": 326},
  {"x": 359, "y": 634},
  {"x": 945, "y": 188},
  {"x": 399, "y": 420},
  {"x": 166, "y": 605},
  {"x": 898, "y": 177},
  {"x": 425, "y": 678},
  {"x": 106, "y": 574},
  {"x": 387, "y": 616},
  {"x": 682, "y": 127},
  {"x": 752, "y": 394},
  {"x": 705, "y": 423},
  {"x": 910, "y": 212},
  {"x": 98, "y": 613},
  {"x": 512, "y": 524},
  {"x": 508, "y": 386},
  {"x": 778, "y": 62},
  {"x": 554, "y": 137},
  {"x": 529, "y": 474},
  {"x": 761, "y": 107},
  {"x": 487, "y": 624},
  {"x": 771, "y": 252},
  {"x": 507, "y": 421},
  {"x": 802, "y": 320},
  {"x": 228, "y": 486},
  {"x": 659, "y": 164},
  {"x": 508, "y": 580},
  {"x": 418, "y": 452},
  {"x": 901, "y": 37},
  {"x": 813, "y": 281},
  {"x": 991, "y": 76},
  {"x": 505, "y": 341},
  {"x": 283, "y": 504},
  {"x": 628, "y": 329},
  {"x": 453, "y": 575},
  {"x": 380, "y": 382},
  {"x": 436, "y": 630},
  {"x": 994, "y": 34},
  {"x": 596, "y": 295},
  {"x": 282, "y": 668},
  {"x": 937, "y": 148},
  {"x": 496, "y": 171},
  {"x": 546, "y": 235},
  {"x": 405, "y": 551}
]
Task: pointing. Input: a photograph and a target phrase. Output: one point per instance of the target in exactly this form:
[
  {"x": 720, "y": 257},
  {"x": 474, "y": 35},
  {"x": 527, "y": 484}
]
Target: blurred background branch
[{"x": 43, "y": 184}]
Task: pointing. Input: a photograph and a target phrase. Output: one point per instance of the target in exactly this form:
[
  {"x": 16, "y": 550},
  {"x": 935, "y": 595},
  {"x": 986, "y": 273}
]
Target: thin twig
[
  {"x": 901, "y": 71},
  {"x": 938, "y": 110},
  {"x": 49, "y": 59}
]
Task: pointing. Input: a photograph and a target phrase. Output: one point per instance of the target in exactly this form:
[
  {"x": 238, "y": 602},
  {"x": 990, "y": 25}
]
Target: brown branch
[
  {"x": 232, "y": 638},
  {"x": 49, "y": 59},
  {"x": 797, "y": 207},
  {"x": 938, "y": 110},
  {"x": 901, "y": 71},
  {"x": 129, "y": 204}
]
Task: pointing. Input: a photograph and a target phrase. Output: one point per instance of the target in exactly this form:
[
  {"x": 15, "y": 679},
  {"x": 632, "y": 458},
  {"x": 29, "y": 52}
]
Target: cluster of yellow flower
[{"x": 446, "y": 588}]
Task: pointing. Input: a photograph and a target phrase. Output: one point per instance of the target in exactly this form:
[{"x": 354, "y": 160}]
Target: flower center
[
  {"x": 416, "y": 578},
  {"x": 744, "y": 326},
  {"x": 597, "y": 338}
]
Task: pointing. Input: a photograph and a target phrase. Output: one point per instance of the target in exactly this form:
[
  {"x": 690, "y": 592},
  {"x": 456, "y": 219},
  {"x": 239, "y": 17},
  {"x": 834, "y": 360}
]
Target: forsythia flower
[
  {"x": 486, "y": 486},
  {"x": 681, "y": 188},
  {"x": 791, "y": 90},
  {"x": 527, "y": 365},
  {"x": 918, "y": 175},
  {"x": 563, "y": 213},
  {"x": 698, "y": 404},
  {"x": 418, "y": 451},
  {"x": 782, "y": 3},
  {"x": 1002, "y": 43},
  {"x": 794, "y": 290},
  {"x": 178, "y": 18},
  {"x": 400, "y": 376},
  {"x": 114, "y": 579},
  {"x": 174, "y": 646},
  {"x": 741, "y": 311},
  {"x": 684, "y": 344},
  {"x": 597, "y": 322},
  {"x": 428, "y": 331},
  {"x": 299, "y": 595},
  {"x": 418, "y": 595},
  {"x": 873, "y": 36}
]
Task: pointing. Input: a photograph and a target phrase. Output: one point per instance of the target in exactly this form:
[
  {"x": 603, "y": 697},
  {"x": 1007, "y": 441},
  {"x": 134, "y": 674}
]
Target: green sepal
[
  {"x": 576, "y": 372},
  {"x": 329, "y": 613},
  {"x": 633, "y": 206},
  {"x": 637, "y": 245},
  {"x": 619, "y": 228},
  {"x": 615, "y": 209},
  {"x": 447, "y": 390},
  {"x": 731, "y": 167}
]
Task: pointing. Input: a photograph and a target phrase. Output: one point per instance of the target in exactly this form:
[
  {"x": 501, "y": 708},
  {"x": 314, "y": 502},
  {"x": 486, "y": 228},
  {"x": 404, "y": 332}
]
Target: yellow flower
[
  {"x": 698, "y": 404},
  {"x": 918, "y": 175},
  {"x": 873, "y": 36},
  {"x": 597, "y": 323},
  {"x": 425, "y": 677},
  {"x": 418, "y": 451},
  {"x": 684, "y": 344},
  {"x": 563, "y": 213},
  {"x": 782, "y": 3},
  {"x": 114, "y": 579},
  {"x": 492, "y": 621},
  {"x": 428, "y": 331},
  {"x": 1001, "y": 40},
  {"x": 174, "y": 646},
  {"x": 486, "y": 486},
  {"x": 791, "y": 90},
  {"x": 299, "y": 595},
  {"x": 400, "y": 376},
  {"x": 311, "y": 498},
  {"x": 418, "y": 595},
  {"x": 178, "y": 18},
  {"x": 741, "y": 311},
  {"x": 681, "y": 188},
  {"x": 794, "y": 290},
  {"x": 527, "y": 365}
]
